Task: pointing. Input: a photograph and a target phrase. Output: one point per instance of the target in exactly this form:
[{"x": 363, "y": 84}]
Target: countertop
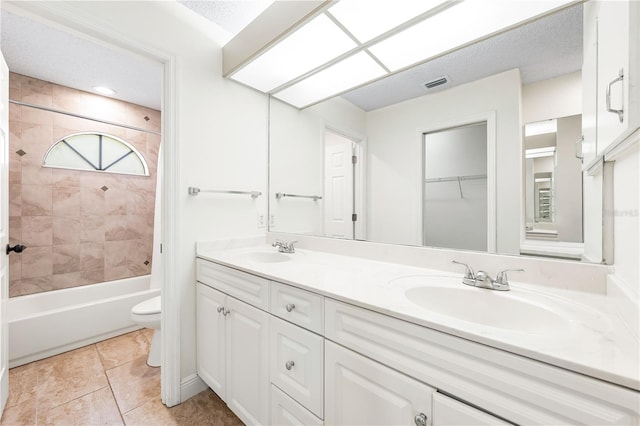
[{"x": 596, "y": 343}]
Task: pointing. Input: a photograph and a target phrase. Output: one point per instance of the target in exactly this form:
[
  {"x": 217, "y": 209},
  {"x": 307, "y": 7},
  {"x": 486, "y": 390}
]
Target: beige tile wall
[{"x": 79, "y": 227}]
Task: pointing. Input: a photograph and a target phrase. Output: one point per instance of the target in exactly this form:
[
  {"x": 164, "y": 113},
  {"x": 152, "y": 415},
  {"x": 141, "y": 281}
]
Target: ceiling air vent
[{"x": 436, "y": 82}]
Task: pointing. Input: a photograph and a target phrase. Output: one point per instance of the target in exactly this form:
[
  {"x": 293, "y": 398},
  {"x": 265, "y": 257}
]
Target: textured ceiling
[
  {"x": 231, "y": 15},
  {"x": 543, "y": 49},
  {"x": 546, "y": 48},
  {"x": 37, "y": 50}
]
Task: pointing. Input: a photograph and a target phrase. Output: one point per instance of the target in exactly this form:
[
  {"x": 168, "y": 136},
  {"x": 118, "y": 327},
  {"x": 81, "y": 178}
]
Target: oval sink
[{"x": 503, "y": 310}]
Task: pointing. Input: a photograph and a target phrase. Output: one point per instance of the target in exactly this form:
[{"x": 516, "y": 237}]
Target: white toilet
[{"x": 147, "y": 314}]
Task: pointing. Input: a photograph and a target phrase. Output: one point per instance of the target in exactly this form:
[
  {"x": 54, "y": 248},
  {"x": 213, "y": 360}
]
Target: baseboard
[{"x": 191, "y": 386}]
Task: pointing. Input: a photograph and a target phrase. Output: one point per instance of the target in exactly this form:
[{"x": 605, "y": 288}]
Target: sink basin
[
  {"x": 502, "y": 310},
  {"x": 266, "y": 257}
]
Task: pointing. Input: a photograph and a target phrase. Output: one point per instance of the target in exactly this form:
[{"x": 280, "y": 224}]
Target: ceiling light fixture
[
  {"x": 104, "y": 90},
  {"x": 307, "y": 64}
]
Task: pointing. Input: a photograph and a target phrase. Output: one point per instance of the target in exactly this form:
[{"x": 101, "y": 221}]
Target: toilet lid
[{"x": 148, "y": 307}]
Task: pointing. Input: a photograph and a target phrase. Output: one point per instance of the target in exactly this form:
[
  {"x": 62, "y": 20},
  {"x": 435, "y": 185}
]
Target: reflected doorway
[{"x": 455, "y": 188}]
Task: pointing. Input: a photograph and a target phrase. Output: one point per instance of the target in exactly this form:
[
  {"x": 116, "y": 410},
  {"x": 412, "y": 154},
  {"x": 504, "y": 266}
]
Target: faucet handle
[
  {"x": 502, "y": 275},
  {"x": 276, "y": 243},
  {"x": 468, "y": 272},
  {"x": 469, "y": 276}
]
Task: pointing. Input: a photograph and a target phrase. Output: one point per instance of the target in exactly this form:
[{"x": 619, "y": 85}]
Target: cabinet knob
[
  {"x": 420, "y": 419},
  {"x": 289, "y": 365},
  {"x": 220, "y": 309},
  {"x": 290, "y": 307},
  {"x": 226, "y": 312}
]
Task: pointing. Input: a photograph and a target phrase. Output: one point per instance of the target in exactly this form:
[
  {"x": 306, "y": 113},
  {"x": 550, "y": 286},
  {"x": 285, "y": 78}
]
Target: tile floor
[{"x": 108, "y": 383}]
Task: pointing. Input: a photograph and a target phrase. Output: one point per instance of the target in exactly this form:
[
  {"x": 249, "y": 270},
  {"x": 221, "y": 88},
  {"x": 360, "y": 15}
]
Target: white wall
[
  {"x": 221, "y": 132},
  {"x": 626, "y": 220},
  {"x": 552, "y": 98},
  {"x": 568, "y": 181},
  {"x": 395, "y": 169},
  {"x": 297, "y": 151}
]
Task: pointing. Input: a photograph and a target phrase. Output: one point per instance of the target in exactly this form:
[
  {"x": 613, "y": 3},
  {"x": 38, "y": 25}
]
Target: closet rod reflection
[{"x": 85, "y": 117}]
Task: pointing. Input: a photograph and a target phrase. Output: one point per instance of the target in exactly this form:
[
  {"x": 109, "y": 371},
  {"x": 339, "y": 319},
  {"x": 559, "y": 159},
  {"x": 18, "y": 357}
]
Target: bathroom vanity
[{"x": 318, "y": 338}]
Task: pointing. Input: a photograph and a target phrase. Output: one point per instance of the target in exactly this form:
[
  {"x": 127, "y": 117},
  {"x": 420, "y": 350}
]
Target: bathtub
[{"x": 46, "y": 324}]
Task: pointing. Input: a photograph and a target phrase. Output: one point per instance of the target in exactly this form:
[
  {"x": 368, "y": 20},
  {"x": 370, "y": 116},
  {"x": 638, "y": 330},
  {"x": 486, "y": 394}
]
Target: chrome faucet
[
  {"x": 483, "y": 280},
  {"x": 284, "y": 247}
]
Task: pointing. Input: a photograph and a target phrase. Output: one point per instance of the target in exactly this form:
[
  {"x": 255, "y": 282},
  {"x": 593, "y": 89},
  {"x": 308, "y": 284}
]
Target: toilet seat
[{"x": 147, "y": 307}]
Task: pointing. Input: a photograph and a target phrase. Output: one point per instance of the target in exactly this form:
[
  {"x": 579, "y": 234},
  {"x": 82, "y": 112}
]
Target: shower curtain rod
[{"x": 112, "y": 123}]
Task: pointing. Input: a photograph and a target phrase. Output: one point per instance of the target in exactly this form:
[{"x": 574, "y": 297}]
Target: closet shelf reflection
[{"x": 458, "y": 179}]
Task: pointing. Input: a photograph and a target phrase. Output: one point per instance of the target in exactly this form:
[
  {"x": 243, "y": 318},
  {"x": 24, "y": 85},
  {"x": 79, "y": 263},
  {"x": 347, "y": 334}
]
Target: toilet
[{"x": 147, "y": 314}]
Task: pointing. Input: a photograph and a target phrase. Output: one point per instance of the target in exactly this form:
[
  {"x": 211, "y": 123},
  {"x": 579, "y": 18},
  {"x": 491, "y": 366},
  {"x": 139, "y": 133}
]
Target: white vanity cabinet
[
  {"x": 451, "y": 412},
  {"x": 232, "y": 340},
  {"x": 611, "y": 73}
]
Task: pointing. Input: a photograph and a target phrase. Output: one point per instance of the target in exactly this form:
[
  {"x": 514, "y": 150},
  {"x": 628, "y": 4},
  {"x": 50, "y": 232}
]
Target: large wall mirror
[{"x": 478, "y": 149}]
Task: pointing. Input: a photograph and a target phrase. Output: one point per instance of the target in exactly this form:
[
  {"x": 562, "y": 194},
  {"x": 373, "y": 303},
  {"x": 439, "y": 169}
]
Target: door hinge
[
  {"x": 354, "y": 217},
  {"x": 354, "y": 159}
]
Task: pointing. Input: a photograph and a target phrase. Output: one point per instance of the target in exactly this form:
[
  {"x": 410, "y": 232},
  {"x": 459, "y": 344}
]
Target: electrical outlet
[
  {"x": 261, "y": 223},
  {"x": 272, "y": 219}
]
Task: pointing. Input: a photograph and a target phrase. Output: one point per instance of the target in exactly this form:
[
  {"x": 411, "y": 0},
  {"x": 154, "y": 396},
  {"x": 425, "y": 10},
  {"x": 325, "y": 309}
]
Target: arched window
[{"x": 95, "y": 151}]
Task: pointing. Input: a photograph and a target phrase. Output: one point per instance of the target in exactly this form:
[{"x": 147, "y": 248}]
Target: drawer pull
[
  {"x": 289, "y": 365},
  {"x": 220, "y": 309},
  {"x": 420, "y": 419},
  {"x": 226, "y": 312},
  {"x": 290, "y": 307}
]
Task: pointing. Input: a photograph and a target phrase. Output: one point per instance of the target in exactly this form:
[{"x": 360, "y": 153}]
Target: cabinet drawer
[
  {"x": 287, "y": 412},
  {"x": 297, "y": 363},
  {"x": 298, "y": 306},
  {"x": 246, "y": 287}
]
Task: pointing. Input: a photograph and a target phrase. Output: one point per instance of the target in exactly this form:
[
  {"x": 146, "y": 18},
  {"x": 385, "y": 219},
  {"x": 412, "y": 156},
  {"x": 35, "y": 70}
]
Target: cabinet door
[
  {"x": 449, "y": 412},
  {"x": 589, "y": 81},
  {"x": 247, "y": 362},
  {"x": 210, "y": 338},
  {"x": 613, "y": 56},
  {"x": 359, "y": 391}
]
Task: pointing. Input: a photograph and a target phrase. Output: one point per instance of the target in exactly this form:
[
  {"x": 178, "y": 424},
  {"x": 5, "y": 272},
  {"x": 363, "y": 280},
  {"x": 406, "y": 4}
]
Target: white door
[
  {"x": 359, "y": 391},
  {"x": 247, "y": 362},
  {"x": 210, "y": 338},
  {"x": 338, "y": 186},
  {"x": 4, "y": 232}
]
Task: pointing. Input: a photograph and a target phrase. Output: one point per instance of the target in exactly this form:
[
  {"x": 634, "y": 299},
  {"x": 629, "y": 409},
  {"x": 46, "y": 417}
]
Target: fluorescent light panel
[
  {"x": 541, "y": 127},
  {"x": 353, "y": 71},
  {"x": 540, "y": 152},
  {"x": 367, "y": 19},
  {"x": 456, "y": 26},
  {"x": 314, "y": 44}
]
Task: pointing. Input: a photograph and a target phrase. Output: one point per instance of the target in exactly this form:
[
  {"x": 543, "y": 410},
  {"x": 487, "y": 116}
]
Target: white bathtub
[{"x": 46, "y": 324}]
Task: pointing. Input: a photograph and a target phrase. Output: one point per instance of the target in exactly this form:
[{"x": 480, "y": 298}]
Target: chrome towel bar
[
  {"x": 196, "y": 191},
  {"x": 313, "y": 197}
]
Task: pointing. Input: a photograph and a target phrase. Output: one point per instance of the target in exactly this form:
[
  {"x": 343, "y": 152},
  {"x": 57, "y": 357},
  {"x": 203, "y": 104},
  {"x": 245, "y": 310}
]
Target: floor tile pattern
[{"x": 108, "y": 383}]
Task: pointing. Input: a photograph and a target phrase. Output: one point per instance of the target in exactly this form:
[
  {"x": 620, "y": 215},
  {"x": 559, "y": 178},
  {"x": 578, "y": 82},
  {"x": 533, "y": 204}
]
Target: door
[
  {"x": 210, "y": 337},
  {"x": 359, "y": 391},
  {"x": 4, "y": 232},
  {"x": 247, "y": 338},
  {"x": 338, "y": 186}
]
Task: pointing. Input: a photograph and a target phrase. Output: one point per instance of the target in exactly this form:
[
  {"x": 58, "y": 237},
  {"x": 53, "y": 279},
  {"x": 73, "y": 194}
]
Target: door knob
[{"x": 18, "y": 248}]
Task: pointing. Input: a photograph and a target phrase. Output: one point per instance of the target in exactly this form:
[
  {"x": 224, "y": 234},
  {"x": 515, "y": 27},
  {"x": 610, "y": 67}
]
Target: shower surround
[{"x": 80, "y": 227}]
